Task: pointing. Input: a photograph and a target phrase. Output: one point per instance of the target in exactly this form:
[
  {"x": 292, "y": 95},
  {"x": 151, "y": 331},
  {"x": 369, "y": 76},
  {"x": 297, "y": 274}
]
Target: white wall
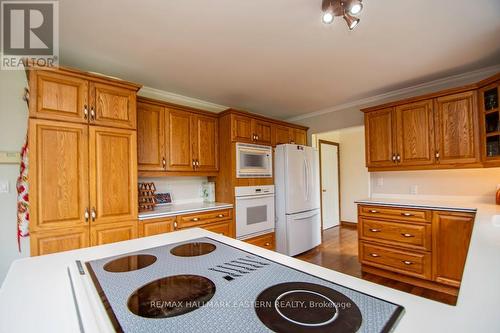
[
  {"x": 183, "y": 189},
  {"x": 13, "y": 125},
  {"x": 354, "y": 176}
]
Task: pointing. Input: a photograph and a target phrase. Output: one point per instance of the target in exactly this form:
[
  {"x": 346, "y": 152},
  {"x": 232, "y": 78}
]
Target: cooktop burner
[
  {"x": 193, "y": 249},
  {"x": 307, "y": 307},
  {"x": 129, "y": 263},
  {"x": 171, "y": 296}
]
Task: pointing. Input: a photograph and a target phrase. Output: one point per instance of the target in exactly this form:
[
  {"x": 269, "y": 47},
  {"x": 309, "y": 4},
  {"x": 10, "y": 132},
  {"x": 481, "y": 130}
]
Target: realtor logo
[{"x": 30, "y": 32}]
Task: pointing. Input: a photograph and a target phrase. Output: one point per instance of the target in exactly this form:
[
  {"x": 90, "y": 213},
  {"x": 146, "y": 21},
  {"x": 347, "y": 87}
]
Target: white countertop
[
  {"x": 457, "y": 206},
  {"x": 183, "y": 208},
  {"x": 36, "y": 294}
]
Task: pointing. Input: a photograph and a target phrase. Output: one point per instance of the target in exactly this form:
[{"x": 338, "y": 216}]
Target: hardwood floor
[{"x": 339, "y": 251}]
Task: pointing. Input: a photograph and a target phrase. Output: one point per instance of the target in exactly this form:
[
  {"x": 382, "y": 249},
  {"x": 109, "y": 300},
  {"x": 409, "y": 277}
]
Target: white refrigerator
[{"x": 298, "y": 214}]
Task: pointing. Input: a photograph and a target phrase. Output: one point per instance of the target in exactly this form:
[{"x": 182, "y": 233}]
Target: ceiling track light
[{"x": 348, "y": 9}]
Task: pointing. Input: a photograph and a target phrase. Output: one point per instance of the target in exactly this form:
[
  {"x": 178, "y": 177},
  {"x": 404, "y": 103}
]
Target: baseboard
[{"x": 347, "y": 224}]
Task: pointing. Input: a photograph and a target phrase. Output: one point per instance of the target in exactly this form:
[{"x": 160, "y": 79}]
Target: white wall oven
[
  {"x": 254, "y": 161},
  {"x": 254, "y": 210}
]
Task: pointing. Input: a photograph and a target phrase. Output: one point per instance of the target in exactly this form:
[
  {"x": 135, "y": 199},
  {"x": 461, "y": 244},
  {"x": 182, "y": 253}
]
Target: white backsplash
[{"x": 183, "y": 189}]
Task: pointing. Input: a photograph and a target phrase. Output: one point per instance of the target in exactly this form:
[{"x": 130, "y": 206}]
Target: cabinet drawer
[
  {"x": 404, "y": 262},
  {"x": 402, "y": 214},
  {"x": 266, "y": 241},
  {"x": 198, "y": 219},
  {"x": 223, "y": 228},
  {"x": 416, "y": 236}
]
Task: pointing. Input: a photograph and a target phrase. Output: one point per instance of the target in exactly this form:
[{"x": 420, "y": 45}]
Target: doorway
[{"x": 329, "y": 156}]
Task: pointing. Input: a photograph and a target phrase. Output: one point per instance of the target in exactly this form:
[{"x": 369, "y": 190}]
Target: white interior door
[{"x": 330, "y": 208}]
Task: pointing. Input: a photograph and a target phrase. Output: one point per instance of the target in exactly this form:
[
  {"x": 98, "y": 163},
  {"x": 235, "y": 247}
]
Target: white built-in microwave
[{"x": 254, "y": 161}]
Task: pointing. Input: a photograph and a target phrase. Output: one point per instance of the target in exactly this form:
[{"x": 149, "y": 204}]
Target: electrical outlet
[
  {"x": 414, "y": 189},
  {"x": 380, "y": 181},
  {"x": 4, "y": 186}
]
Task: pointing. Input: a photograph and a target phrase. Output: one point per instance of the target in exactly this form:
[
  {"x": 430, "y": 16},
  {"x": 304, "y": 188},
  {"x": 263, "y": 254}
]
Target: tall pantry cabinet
[{"x": 82, "y": 160}]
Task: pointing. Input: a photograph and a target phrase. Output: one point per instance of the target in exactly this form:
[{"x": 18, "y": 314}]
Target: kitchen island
[{"x": 37, "y": 295}]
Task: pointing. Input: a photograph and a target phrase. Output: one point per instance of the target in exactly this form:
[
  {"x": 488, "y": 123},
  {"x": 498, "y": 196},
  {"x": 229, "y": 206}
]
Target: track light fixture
[{"x": 348, "y": 9}]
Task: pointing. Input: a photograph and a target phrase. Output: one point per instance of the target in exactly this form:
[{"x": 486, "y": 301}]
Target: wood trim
[
  {"x": 257, "y": 116},
  {"x": 170, "y": 105},
  {"x": 489, "y": 80},
  {"x": 347, "y": 224},
  {"x": 326, "y": 142},
  {"x": 430, "y": 167}
]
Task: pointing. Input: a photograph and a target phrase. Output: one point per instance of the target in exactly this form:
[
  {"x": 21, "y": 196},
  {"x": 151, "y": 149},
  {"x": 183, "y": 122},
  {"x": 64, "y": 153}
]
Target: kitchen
[{"x": 154, "y": 208}]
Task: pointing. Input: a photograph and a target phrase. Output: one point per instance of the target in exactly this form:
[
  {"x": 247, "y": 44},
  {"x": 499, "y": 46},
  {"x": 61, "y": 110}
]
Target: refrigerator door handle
[
  {"x": 308, "y": 171},
  {"x": 306, "y": 180}
]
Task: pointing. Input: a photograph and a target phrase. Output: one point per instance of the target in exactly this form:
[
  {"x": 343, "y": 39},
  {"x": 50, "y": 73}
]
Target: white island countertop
[
  {"x": 36, "y": 295},
  {"x": 182, "y": 208},
  {"x": 456, "y": 206}
]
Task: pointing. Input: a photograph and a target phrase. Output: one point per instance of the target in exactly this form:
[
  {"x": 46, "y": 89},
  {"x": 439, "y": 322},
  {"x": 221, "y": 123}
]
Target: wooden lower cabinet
[
  {"x": 223, "y": 228},
  {"x": 266, "y": 241},
  {"x": 426, "y": 248},
  {"x": 59, "y": 240},
  {"x": 156, "y": 226},
  {"x": 112, "y": 232}
]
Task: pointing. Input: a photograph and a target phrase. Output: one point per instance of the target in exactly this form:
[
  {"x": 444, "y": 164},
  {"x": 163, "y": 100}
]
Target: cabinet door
[
  {"x": 300, "y": 136},
  {"x": 113, "y": 106},
  {"x": 179, "y": 138},
  {"x": 241, "y": 128},
  {"x": 206, "y": 143},
  {"x": 113, "y": 232},
  {"x": 60, "y": 240},
  {"x": 223, "y": 228},
  {"x": 451, "y": 237},
  {"x": 59, "y": 97},
  {"x": 379, "y": 138},
  {"x": 113, "y": 174},
  {"x": 58, "y": 175},
  {"x": 262, "y": 131},
  {"x": 282, "y": 135},
  {"x": 456, "y": 126},
  {"x": 415, "y": 133},
  {"x": 151, "y": 137},
  {"x": 156, "y": 226}
]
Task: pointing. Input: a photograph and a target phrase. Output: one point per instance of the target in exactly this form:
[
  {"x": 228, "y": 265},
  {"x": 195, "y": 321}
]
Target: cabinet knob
[
  {"x": 374, "y": 211},
  {"x": 407, "y": 262},
  {"x": 220, "y": 215},
  {"x": 164, "y": 162},
  {"x": 375, "y": 230},
  {"x": 93, "y": 214},
  {"x": 195, "y": 219},
  {"x": 85, "y": 112},
  {"x": 267, "y": 244},
  {"x": 437, "y": 155},
  {"x": 86, "y": 215},
  {"x": 407, "y": 214},
  {"x": 175, "y": 225},
  {"x": 92, "y": 113},
  {"x": 407, "y": 235},
  {"x": 374, "y": 255},
  {"x": 398, "y": 158},
  {"x": 394, "y": 158},
  {"x": 193, "y": 163}
]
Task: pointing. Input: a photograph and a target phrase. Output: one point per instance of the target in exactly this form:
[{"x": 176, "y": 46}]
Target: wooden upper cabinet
[
  {"x": 205, "y": 142},
  {"x": 451, "y": 237},
  {"x": 379, "y": 136},
  {"x": 58, "y": 97},
  {"x": 151, "y": 154},
  {"x": 262, "y": 132},
  {"x": 241, "y": 128},
  {"x": 59, "y": 174},
  {"x": 179, "y": 147},
  {"x": 113, "y": 174},
  {"x": 113, "y": 106},
  {"x": 415, "y": 133},
  {"x": 300, "y": 136},
  {"x": 457, "y": 129},
  {"x": 282, "y": 134}
]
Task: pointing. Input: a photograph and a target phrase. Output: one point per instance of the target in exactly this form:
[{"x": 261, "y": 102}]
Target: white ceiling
[{"x": 275, "y": 57}]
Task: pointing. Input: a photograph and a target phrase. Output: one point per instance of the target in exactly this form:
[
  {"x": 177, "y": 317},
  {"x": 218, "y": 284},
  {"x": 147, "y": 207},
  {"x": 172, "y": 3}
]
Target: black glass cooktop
[
  {"x": 130, "y": 263},
  {"x": 193, "y": 249}
]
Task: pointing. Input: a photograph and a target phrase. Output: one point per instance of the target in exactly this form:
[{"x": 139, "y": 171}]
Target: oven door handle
[{"x": 250, "y": 197}]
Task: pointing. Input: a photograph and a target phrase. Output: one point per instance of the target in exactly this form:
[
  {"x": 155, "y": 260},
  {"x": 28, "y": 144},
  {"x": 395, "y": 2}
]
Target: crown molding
[
  {"x": 181, "y": 100},
  {"x": 472, "y": 75}
]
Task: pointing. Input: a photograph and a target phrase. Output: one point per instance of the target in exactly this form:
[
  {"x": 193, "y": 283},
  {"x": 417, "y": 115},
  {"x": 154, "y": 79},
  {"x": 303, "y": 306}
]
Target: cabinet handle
[
  {"x": 406, "y": 262},
  {"x": 164, "y": 162},
  {"x": 220, "y": 215},
  {"x": 175, "y": 225},
  {"x": 374, "y": 255},
  {"x": 195, "y": 219},
  {"x": 86, "y": 215},
  {"x": 257, "y": 137},
  {"x": 194, "y": 164},
  {"x": 407, "y": 214},
  {"x": 85, "y": 112},
  {"x": 398, "y": 158},
  {"x": 407, "y": 235},
  {"x": 93, "y": 214},
  {"x": 197, "y": 163},
  {"x": 92, "y": 113},
  {"x": 394, "y": 158},
  {"x": 373, "y": 211},
  {"x": 267, "y": 244},
  {"x": 437, "y": 155},
  {"x": 375, "y": 230}
]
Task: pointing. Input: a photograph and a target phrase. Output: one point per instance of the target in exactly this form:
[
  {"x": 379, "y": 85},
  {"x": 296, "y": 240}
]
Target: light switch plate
[
  {"x": 10, "y": 157},
  {"x": 4, "y": 186}
]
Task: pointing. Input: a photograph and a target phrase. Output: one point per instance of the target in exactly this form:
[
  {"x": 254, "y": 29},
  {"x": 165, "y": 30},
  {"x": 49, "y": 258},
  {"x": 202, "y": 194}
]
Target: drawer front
[
  {"x": 198, "y": 219},
  {"x": 266, "y": 241},
  {"x": 156, "y": 226},
  {"x": 403, "y": 262},
  {"x": 402, "y": 214},
  {"x": 223, "y": 228},
  {"x": 417, "y": 236}
]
